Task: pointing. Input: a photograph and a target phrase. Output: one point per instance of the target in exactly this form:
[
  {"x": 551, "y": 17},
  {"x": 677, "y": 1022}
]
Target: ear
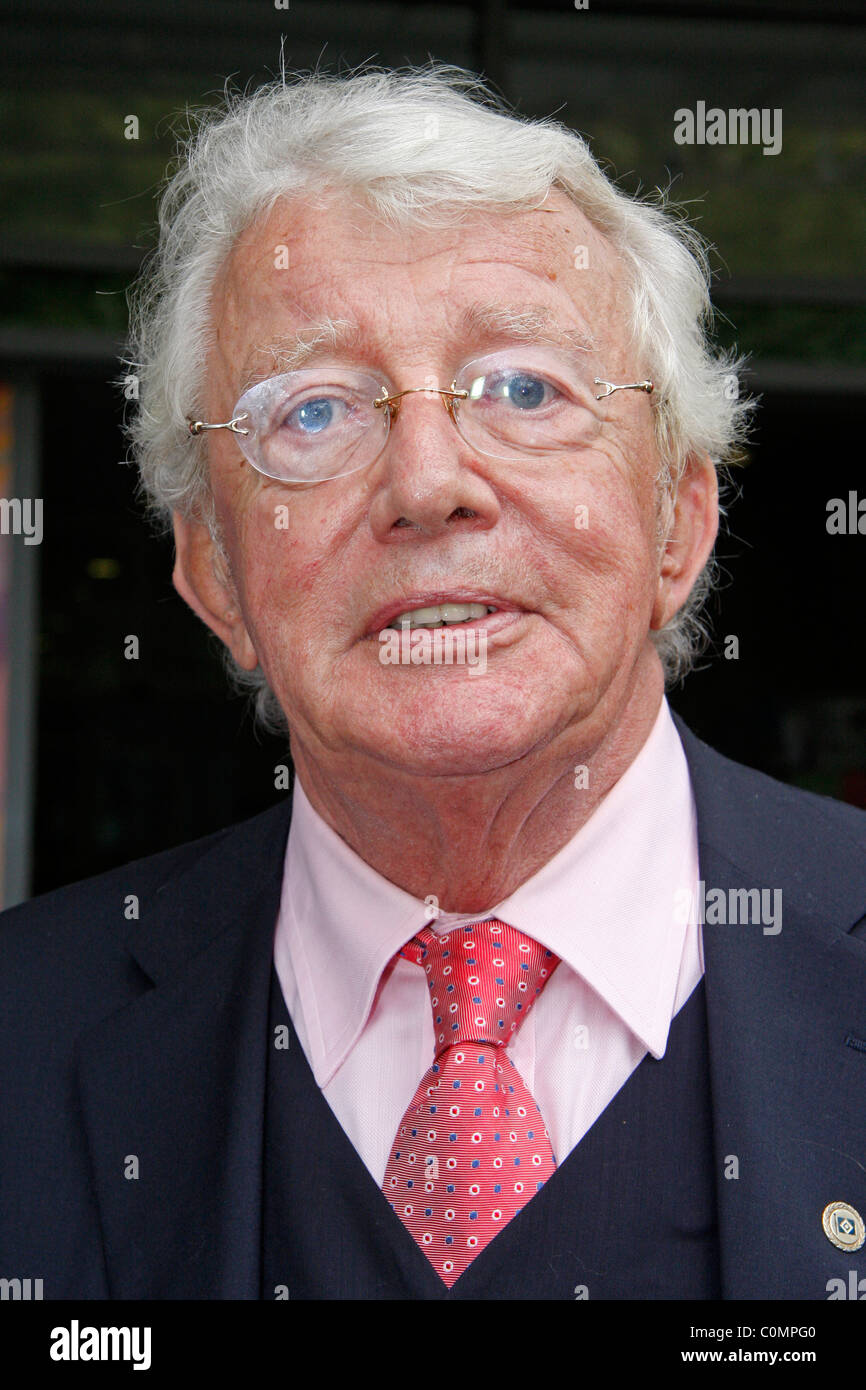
[
  {"x": 690, "y": 539},
  {"x": 200, "y": 579}
]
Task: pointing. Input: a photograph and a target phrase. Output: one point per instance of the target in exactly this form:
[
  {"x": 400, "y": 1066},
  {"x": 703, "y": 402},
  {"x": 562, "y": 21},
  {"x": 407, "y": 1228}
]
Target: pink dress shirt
[{"x": 609, "y": 903}]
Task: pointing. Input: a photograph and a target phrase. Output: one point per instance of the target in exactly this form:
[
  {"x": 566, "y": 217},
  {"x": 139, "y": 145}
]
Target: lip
[{"x": 389, "y": 611}]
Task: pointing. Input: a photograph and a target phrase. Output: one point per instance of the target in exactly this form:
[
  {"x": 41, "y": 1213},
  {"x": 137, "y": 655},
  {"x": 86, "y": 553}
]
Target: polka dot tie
[{"x": 472, "y": 1148}]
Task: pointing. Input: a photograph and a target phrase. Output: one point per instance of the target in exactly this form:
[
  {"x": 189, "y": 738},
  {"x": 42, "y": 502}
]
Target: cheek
[
  {"x": 604, "y": 520},
  {"x": 280, "y": 546}
]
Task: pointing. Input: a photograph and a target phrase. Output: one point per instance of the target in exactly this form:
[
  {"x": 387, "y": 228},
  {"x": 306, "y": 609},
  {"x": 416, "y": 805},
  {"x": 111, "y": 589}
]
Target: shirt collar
[{"x": 605, "y": 903}]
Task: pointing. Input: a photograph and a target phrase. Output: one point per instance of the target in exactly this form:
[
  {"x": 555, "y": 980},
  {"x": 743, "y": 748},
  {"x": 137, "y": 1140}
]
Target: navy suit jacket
[{"x": 124, "y": 1037}]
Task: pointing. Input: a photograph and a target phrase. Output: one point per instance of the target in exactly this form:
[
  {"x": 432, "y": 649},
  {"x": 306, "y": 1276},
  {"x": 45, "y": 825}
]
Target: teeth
[{"x": 439, "y": 613}]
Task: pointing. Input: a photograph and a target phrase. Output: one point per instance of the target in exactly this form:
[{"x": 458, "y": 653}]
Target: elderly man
[{"x": 528, "y": 994}]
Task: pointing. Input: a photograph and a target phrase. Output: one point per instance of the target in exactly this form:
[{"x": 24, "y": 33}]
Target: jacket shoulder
[
  {"x": 814, "y": 844},
  {"x": 769, "y": 797},
  {"x": 83, "y": 923}
]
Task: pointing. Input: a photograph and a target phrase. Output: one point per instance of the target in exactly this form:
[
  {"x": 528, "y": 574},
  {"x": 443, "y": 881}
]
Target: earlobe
[
  {"x": 691, "y": 537},
  {"x": 200, "y": 579}
]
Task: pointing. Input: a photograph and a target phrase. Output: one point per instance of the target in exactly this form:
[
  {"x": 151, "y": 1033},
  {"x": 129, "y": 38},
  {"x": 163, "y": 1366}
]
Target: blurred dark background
[{"x": 107, "y": 759}]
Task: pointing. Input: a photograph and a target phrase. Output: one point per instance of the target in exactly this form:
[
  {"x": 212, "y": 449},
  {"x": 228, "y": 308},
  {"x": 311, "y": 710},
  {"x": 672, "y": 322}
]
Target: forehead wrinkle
[{"x": 523, "y": 323}]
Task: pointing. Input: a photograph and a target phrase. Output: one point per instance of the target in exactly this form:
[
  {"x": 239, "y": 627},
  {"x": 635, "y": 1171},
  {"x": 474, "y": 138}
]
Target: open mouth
[
  {"x": 441, "y": 615},
  {"x": 442, "y": 608}
]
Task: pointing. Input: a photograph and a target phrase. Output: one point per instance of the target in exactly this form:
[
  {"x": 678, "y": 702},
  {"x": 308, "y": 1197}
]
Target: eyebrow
[
  {"x": 291, "y": 351},
  {"x": 525, "y": 323},
  {"x": 325, "y": 337}
]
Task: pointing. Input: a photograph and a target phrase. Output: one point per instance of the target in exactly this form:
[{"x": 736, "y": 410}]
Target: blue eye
[
  {"x": 313, "y": 416},
  {"x": 524, "y": 391},
  {"x": 520, "y": 389}
]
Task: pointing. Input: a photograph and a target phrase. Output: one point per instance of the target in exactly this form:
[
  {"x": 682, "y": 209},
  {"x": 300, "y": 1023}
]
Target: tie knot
[{"x": 483, "y": 980}]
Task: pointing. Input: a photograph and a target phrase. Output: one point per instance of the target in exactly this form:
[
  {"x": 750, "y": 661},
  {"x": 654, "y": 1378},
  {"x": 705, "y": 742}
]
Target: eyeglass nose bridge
[{"x": 392, "y": 403}]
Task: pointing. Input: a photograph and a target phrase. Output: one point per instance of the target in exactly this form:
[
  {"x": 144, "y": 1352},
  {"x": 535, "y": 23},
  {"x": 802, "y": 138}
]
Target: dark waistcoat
[{"x": 629, "y": 1214}]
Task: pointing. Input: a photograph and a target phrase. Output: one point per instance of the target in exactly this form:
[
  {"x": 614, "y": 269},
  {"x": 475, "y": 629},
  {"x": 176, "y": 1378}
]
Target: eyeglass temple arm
[
  {"x": 196, "y": 426},
  {"x": 627, "y": 386}
]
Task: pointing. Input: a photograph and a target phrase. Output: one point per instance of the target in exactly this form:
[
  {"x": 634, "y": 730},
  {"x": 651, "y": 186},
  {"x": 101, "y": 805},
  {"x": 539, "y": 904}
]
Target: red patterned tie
[{"x": 472, "y": 1148}]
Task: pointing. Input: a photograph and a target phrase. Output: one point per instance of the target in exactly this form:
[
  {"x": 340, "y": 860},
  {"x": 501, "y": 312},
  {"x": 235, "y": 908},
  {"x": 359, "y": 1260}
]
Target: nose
[{"x": 428, "y": 478}]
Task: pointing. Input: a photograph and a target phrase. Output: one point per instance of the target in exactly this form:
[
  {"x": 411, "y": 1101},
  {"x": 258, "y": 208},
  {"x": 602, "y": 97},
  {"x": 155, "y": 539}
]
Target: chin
[{"x": 461, "y": 729}]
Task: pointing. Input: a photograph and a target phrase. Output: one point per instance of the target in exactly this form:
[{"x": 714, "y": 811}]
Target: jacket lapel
[
  {"x": 782, "y": 1008},
  {"x": 172, "y": 1086}
]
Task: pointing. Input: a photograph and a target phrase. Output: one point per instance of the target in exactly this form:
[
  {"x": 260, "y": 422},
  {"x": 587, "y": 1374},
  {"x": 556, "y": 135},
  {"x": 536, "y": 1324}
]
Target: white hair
[{"x": 420, "y": 147}]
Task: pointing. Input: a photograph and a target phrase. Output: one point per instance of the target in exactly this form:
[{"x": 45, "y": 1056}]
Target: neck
[{"x": 471, "y": 840}]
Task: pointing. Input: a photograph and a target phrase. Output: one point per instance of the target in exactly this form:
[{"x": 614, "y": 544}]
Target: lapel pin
[{"x": 843, "y": 1225}]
